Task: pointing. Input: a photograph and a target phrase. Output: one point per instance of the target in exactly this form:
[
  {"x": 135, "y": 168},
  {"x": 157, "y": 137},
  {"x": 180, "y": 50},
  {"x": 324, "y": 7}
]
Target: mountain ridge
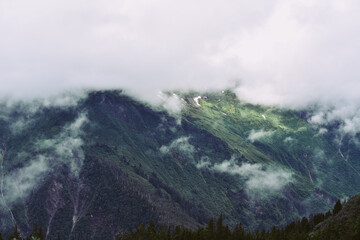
[{"x": 213, "y": 156}]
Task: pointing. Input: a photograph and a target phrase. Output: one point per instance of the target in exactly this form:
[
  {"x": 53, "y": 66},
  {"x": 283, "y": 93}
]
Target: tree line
[{"x": 303, "y": 229}]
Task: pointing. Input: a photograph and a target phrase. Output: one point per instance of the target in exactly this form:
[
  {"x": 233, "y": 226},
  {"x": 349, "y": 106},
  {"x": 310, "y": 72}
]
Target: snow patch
[{"x": 197, "y": 101}]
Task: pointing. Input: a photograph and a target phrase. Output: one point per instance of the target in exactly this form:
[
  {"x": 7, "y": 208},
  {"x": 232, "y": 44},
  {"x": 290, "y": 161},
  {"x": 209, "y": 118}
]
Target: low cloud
[
  {"x": 22, "y": 114},
  {"x": 64, "y": 148},
  {"x": 172, "y": 103},
  {"x": 180, "y": 145},
  {"x": 322, "y": 131},
  {"x": 67, "y": 146},
  {"x": 295, "y": 54},
  {"x": 289, "y": 53},
  {"x": 289, "y": 140},
  {"x": 260, "y": 181},
  {"x": 343, "y": 119},
  {"x": 259, "y": 135},
  {"x": 203, "y": 163},
  {"x": 20, "y": 124},
  {"x": 18, "y": 184}
]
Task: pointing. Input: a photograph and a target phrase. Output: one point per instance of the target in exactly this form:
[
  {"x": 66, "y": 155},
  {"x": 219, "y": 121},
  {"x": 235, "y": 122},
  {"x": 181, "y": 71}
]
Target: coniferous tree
[
  {"x": 305, "y": 226},
  {"x": 357, "y": 229},
  {"x": 151, "y": 230},
  {"x": 210, "y": 230},
  {"x": 219, "y": 227},
  {"x": 15, "y": 234},
  {"x": 337, "y": 207},
  {"x": 239, "y": 232}
]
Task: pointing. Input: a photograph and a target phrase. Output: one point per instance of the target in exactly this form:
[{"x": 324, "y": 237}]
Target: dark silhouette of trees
[
  {"x": 304, "y": 229},
  {"x": 337, "y": 207}
]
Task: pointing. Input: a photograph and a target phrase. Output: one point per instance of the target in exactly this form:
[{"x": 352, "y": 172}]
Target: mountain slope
[
  {"x": 344, "y": 225},
  {"x": 111, "y": 162}
]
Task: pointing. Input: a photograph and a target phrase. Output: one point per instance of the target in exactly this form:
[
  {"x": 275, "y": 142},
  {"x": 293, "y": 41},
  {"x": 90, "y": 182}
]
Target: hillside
[
  {"x": 344, "y": 225},
  {"x": 110, "y": 162}
]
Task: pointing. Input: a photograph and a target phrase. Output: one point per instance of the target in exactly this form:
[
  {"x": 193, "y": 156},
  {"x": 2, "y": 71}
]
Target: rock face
[
  {"x": 54, "y": 201},
  {"x": 91, "y": 170}
]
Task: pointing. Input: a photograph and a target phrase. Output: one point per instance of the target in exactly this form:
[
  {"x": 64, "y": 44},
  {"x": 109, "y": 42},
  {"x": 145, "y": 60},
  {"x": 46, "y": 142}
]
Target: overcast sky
[{"x": 288, "y": 52}]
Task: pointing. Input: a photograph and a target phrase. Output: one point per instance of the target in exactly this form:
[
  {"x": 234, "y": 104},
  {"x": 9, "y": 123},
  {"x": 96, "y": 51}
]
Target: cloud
[
  {"x": 289, "y": 53},
  {"x": 18, "y": 184},
  {"x": 300, "y": 54},
  {"x": 289, "y": 140},
  {"x": 203, "y": 163},
  {"x": 284, "y": 52},
  {"x": 29, "y": 109},
  {"x": 260, "y": 181},
  {"x": 345, "y": 118},
  {"x": 259, "y": 135},
  {"x": 64, "y": 148},
  {"x": 322, "y": 131},
  {"x": 171, "y": 102},
  {"x": 180, "y": 145},
  {"x": 142, "y": 46}
]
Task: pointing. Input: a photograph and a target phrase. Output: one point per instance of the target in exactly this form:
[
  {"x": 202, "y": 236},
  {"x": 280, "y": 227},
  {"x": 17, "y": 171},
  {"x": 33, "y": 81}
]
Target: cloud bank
[{"x": 282, "y": 52}]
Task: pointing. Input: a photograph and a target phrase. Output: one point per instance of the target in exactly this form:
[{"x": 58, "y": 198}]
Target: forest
[{"x": 338, "y": 224}]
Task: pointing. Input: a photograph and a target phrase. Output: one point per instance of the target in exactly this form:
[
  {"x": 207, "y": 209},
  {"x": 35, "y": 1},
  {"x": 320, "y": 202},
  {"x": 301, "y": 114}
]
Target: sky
[{"x": 283, "y": 52}]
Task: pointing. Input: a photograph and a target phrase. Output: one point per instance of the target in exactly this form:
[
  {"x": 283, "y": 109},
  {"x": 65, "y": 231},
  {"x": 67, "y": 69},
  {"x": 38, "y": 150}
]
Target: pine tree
[
  {"x": 219, "y": 227},
  {"x": 337, "y": 207},
  {"x": 210, "y": 229},
  {"x": 15, "y": 234},
  {"x": 239, "y": 232}
]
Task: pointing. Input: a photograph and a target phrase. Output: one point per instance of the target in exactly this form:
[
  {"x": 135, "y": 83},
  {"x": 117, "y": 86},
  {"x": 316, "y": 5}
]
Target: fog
[
  {"x": 289, "y": 53},
  {"x": 259, "y": 181}
]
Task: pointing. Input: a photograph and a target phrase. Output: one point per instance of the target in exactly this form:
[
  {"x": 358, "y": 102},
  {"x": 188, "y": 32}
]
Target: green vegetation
[
  {"x": 348, "y": 228},
  {"x": 128, "y": 163},
  {"x": 341, "y": 224}
]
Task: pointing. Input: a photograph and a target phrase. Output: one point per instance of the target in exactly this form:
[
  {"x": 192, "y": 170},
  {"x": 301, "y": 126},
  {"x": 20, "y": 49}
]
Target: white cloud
[
  {"x": 322, "y": 131},
  {"x": 203, "y": 163},
  {"x": 259, "y": 135},
  {"x": 345, "y": 116},
  {"x": 180, "y": 145},
  {"x": 260, "y": 181},
  {"x": 285, "y": 52},
  {"x": 22, "y": 181},
  {"x": 171, "y": 102},
  {"x": 62, "y": 149},
  {"x": 289, "y": 140},
  {"x": 66, "y": 147}
]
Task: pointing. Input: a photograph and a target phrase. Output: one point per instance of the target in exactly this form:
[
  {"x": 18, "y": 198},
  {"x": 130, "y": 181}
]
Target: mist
[
  {"x": 260, "y": 181},
  {"x": 63, "y": 149},
  {"x": 288, "y": 53},
  {"x": 259, "y": 135},
  {"x": 180, "y": 145}
]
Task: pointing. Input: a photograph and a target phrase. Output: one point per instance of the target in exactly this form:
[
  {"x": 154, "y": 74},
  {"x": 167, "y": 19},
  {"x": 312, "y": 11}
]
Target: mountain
[
  {"x": 108, "y": 162},
  {"x": 343, "y": 225}
]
